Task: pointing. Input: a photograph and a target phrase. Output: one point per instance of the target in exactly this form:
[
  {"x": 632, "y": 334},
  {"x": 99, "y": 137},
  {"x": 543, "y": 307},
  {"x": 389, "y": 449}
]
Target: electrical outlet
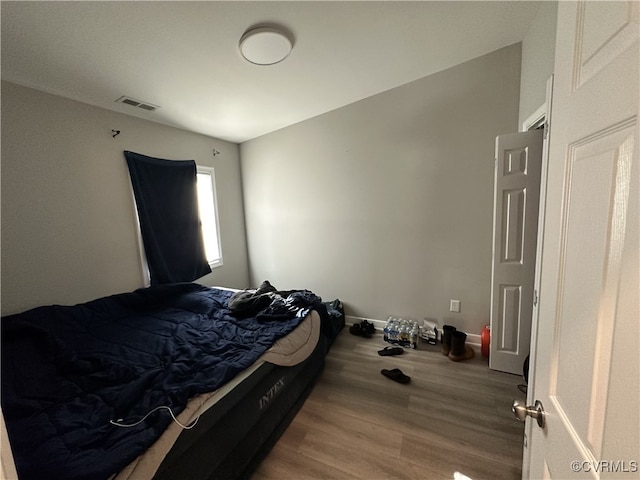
[{"x": 454, "y": 306}]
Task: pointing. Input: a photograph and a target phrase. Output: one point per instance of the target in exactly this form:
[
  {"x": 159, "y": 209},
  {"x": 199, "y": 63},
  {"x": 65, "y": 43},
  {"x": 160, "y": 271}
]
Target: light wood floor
[{"x": 358, "y": 424}]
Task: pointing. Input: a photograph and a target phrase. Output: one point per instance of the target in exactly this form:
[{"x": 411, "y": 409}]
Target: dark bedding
[{"x": 69, "y": 371}]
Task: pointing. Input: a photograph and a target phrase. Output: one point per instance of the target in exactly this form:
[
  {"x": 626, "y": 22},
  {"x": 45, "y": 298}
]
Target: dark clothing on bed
[{"x": 271, "y": 302}]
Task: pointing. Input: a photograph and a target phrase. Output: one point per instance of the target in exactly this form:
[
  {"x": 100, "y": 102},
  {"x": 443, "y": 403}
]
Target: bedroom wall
[
  {"x": 387, "y": 203},
  {"x": 68, "y": 228},
  {"x": 538, "y": 56}
]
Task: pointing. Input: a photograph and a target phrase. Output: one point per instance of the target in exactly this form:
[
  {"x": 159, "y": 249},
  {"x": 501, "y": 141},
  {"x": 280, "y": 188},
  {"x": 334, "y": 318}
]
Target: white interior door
[
  {"x": 515, "y": 230},
  {"x": 585, "y": 363}
]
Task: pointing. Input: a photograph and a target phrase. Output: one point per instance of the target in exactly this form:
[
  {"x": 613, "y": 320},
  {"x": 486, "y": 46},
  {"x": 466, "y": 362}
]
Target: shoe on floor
[
  {"x": 447, "y": 331},
  {"x": 358, "y": 330},
  {"x": 367, "y": 327},
  {"x": 388, "y": 351},
  {"x": 355, "y": 330},
  {"x": 362, "y": 329},
  {"x": 396, "y": 375},
  {"x": 459, "y": 350}
]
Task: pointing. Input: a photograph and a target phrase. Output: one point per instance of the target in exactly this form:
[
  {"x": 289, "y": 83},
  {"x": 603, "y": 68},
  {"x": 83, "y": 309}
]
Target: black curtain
[{"x": 167, "y": 202}]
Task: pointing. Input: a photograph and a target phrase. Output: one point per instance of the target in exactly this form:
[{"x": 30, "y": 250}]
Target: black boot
[
  {"x": 459, "y": 351},
  {"x": 447, "y": 330}
]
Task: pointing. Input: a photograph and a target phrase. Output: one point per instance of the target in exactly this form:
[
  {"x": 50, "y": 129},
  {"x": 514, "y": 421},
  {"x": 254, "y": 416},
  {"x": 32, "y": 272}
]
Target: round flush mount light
[{"x": 265, "y": 45}]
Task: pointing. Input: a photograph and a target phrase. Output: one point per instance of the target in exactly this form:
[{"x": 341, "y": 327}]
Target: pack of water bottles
[{"x": 403, "y": 332}]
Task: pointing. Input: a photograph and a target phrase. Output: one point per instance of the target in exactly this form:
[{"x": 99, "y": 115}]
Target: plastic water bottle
[
  {"x": 413, "y": 335},
  {"x": 399, "y": 334},
  {"x": 403, "y": 333},
  {"x": 385, "y": 330},
  {"x": 393, "y": 332}
]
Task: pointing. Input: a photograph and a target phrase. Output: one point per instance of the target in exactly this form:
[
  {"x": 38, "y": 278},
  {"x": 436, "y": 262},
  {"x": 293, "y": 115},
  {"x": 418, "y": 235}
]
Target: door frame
[
  {"x": 541, "y": 115},
  {"x": 536, "y": 119}
]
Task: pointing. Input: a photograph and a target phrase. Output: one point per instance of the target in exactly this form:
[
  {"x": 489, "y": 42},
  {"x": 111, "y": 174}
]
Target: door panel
[
  {"x": 509, "y": 318},
  {"x": 517, "y": 195},
  {"x": 513, "y": 220},
  {"x": 597, "y": 193},
  {"x": 586, "y": 365},
  {"x": 604, "y": 30}
]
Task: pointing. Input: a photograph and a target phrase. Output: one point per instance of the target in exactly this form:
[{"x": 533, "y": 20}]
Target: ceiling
[{"x": 184, "y": 57}]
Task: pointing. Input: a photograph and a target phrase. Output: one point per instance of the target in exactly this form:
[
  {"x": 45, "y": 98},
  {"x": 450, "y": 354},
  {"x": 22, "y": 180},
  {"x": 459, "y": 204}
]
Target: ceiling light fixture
[{"x": 265, "y": 45}]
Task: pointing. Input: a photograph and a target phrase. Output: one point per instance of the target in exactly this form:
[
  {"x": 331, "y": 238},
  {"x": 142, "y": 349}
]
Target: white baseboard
[{"x": 473, "y": 339}]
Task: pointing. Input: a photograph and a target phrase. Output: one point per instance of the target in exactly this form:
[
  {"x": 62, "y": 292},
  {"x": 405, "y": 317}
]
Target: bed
[{"x": 173, "y": 381}]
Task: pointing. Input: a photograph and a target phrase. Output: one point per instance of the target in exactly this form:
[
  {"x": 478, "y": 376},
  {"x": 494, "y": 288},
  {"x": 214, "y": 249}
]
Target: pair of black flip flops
[
  {"x": 394, "y": 374},
  {"x": 362, "y": 329}
]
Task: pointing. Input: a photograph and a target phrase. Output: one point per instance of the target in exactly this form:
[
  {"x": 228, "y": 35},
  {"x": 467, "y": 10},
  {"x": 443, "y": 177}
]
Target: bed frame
[{"x": 232, "y": 438}]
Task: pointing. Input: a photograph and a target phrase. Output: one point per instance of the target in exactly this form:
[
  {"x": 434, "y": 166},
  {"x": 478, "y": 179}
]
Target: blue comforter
[{"x": 68, "y": 371}]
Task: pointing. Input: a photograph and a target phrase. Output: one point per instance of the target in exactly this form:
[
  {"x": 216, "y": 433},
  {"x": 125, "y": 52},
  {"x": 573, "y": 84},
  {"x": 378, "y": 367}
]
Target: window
[
  {"x": 166, "y": 198},
  {"x": 209, "y": 215}
]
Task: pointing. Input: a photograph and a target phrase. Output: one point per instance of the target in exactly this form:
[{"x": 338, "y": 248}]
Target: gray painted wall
[
  {"x": 387, "y": 203},
  {"x": 68, "y": 226},
  {"x": 390, "y": 198},
  {"x": 538, "y": 55}
]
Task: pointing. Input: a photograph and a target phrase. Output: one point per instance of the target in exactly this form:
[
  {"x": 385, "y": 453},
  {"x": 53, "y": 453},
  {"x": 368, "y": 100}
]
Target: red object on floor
[{"x": 485, "y": 339}]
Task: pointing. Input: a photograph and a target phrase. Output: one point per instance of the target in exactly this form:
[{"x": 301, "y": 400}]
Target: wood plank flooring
[{"x": 358, "y": 424}]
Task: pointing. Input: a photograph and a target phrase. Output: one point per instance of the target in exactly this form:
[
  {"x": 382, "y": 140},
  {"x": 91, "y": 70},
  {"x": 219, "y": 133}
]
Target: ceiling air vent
[{"x": 137, "y": 103}]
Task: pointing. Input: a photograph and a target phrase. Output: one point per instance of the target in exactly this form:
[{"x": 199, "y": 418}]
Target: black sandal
[
  {"x": 388, "y": 351},
  {"x": 396, "y": 374}
]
